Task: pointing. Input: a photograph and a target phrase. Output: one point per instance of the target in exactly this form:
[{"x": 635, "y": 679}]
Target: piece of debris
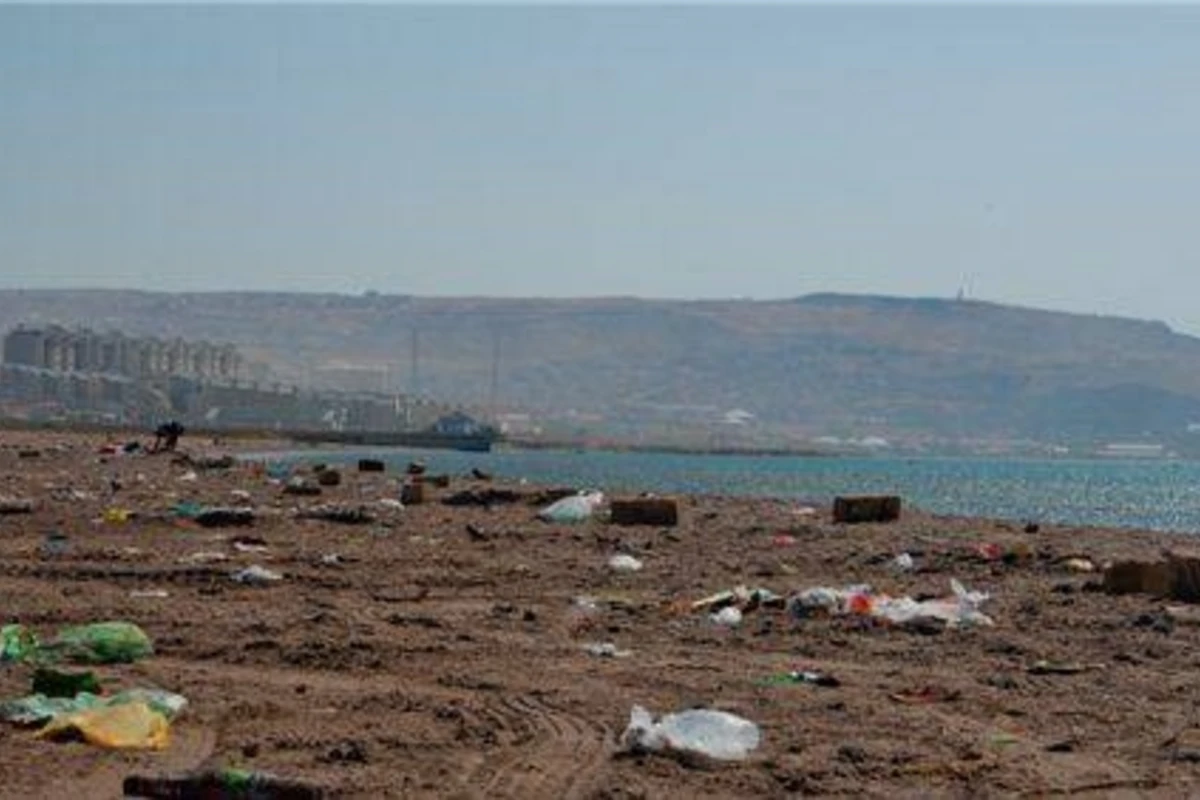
[
  {"x": 660, "y": 511},
  {"x": 866, "y": 508},
  {"x": 345, "y": 515},
  {"x": 10, "y": 505},
  {"x": 716, "y": 734},
  {"x": 622, "y": 562},
  {"x": 256, "y": 576}
]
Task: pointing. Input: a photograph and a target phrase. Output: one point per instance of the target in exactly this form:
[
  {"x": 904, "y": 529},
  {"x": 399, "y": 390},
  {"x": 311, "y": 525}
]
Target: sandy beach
[{"x": 440, "y": 651}]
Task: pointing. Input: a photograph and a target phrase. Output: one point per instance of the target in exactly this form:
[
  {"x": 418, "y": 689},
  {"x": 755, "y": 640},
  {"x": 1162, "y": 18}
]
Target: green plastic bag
[
  {"x": 38, "y": 708},
  {"x": 101, "y": 643},
  {"x": 17, "y": 643}
]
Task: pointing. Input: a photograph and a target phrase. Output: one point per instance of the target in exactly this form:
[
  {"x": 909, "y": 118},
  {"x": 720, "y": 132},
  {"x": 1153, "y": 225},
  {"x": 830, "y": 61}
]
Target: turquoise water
[{"x": 1162, "y": 495}]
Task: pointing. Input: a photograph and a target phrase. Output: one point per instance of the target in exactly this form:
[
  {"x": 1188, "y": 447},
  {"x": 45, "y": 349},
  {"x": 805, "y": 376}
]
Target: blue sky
[{"x": 1048, "y": 155}]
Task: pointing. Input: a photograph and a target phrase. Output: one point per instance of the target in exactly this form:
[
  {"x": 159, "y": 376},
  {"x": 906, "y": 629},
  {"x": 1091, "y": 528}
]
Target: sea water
[{"x": 1160, "y": 495}]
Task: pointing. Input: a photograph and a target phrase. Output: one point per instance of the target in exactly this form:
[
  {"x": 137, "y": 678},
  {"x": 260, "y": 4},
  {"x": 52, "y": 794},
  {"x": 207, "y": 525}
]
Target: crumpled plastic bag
[
  {"x": 576, "y": 508},
  {"x": 716, "y": 734},
  {"x": 101, "y": 643},
  {"x": 38, "y": 708},
  {"x": 132, "y": 725},
  {"x": 17, "y": 643}
]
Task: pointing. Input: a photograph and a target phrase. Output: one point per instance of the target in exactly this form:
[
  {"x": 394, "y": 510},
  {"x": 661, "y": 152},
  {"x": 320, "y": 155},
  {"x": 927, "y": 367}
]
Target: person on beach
[{"x": 166, "y": 437}]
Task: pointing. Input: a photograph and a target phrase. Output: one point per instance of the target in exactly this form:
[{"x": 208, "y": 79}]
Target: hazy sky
[{"x": 1050, "y": 155}]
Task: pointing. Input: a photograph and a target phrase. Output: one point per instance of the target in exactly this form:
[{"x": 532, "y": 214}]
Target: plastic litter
[
  {"x": 38, "y": 708},
  {"x": 903, "y": 563},
  {"x": 53, "y": 683},
  {"x": 16, "y": 643},
  {"x": 728, "y": 617},
  {"x": 133, "y": 726},
  {"x": 100, "y": 643},
  {"x": 960, "y": 610},
  {"x": 117, "y": 516},
  {"x": 716, "y": 734},
  {"x": 576, "y": 508},
  {"x": 256, "y": 576},
  {"x": 605, "y": 650},
  {"x": 803, "y": 676},
  {"x": 622, "y": 562}
]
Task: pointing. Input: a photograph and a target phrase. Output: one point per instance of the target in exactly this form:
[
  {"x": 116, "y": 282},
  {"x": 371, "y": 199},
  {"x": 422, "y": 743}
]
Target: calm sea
[{"x": 1162, "y": 495}]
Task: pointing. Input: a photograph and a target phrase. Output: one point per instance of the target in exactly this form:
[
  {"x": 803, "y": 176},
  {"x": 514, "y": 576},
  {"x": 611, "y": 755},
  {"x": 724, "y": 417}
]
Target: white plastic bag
[
  {"x": 576, "y": 508},
  {"x": 716, "y": 734}
]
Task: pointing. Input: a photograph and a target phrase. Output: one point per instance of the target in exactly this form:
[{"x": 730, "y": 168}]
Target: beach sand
[{"x": 427, "y": 661}]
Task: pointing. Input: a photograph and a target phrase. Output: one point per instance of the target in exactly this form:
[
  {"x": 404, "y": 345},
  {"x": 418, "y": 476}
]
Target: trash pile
[
  {"x": 72, "y": 704},
  {"x": 959, "y": 610}
]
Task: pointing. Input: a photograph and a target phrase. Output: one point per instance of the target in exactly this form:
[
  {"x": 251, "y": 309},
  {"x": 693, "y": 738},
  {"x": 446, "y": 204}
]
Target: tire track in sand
[{"x": 560, "y": 761}]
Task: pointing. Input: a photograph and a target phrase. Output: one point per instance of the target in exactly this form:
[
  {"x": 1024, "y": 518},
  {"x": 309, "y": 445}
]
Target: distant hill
[{"x": 824, "y": 364}]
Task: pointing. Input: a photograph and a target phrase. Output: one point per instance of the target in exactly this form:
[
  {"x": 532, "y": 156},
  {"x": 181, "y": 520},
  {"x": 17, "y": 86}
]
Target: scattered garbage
[
  {"x": 52, "y": 683},
  {"x": 345, "y": 515},
  {"x": 158, "y": 594},
  {"x": 1080, "y": 565},
  {"x": 480, "y": 475},
  {"x": 10, "y": 505},
  {"x": 99, "y": 643},
  {"x": 482, "y": 497},
  {"x": 225, "y": 518},
  {"x": 117, "y": 516},
  {"x": 240, "y": 495},
  {"x": 1061, "y": 668},
  {"x": 728, "y": 617},
  {"x": 866, "y": 508},
  {"x": 716, "y": 734},
  {"x": 623, "y": 562},
  {"x": 371, "y": 465},
  {"x": 743, "y": 598},
  {"x": 55, "y": 544},
  {"x": 659, "y": 511},
  {"x": 903, "y": 563},
  {"x": 412, "y": 493},
  {"x": 960, "y": 610},
  {"x": 226, "y": 785},
  {"x": 123, "y": 726},
  {"x": 16, "y": 643},
  {"x": 256, "y": 576},
  {"x": 811, "y": 677},
  {"x": 415, "y": 468},
  {"x": 1176, "y": 578},
  {"x": 213, "y": 462},
  {"x": 605, "y": 650},
  {"x": 329, "y": 477},
  {"x": 190, "y": 476},
  {"x": 391, "y": 503},
  {"x": 577, "y": 508},
  {"x": 301, "y": 487}
]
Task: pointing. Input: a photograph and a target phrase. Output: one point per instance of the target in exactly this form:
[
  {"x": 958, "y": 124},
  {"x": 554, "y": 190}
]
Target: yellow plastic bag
[
  {"x": 133, "y": 726},
  {"x": 117, "y": 516}
]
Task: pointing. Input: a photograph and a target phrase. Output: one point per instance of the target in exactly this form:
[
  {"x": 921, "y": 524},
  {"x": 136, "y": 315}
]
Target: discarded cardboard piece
[
  {"x": 1176, "y": 577},
  {"x": 866, "y": 508},
  {"x": 645, "y": 511}
]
